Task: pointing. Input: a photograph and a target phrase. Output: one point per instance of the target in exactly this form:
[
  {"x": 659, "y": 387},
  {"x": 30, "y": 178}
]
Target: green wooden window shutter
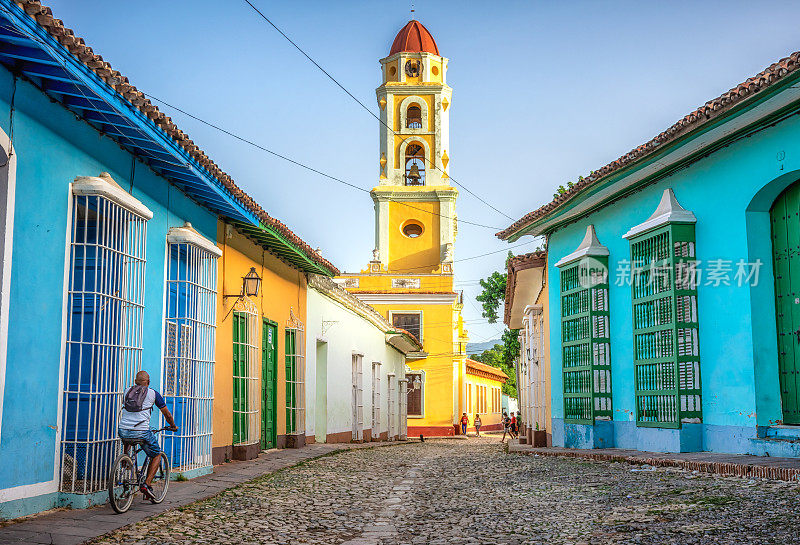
[
  {"x": 665, "y": 326},
  {"x": 585, "y": 343}
]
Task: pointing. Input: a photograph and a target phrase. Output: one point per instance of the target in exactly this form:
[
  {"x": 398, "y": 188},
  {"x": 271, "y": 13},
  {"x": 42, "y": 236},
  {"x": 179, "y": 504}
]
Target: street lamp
[{"x": 251, "y": 283}]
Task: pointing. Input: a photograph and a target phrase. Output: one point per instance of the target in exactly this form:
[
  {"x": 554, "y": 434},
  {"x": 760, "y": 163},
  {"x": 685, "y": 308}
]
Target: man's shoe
[{"x": 147, "y": 490}]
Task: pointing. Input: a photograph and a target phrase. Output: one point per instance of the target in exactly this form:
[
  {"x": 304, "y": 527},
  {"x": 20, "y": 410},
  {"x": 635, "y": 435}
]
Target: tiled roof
[
  {"x": 487, "y": 369},
  {"x": 519, "y": 263},
  {"x": 414, "y": 37},
  {"x": 707, "y": 112},
  {"x": 76, "y": 46}
]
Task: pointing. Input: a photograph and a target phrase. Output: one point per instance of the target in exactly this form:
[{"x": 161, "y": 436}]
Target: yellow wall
[
  {"x": 282, "y": 288},
  {"x": 438, "y": 331},
  {"x": 421, "y": 254},
  {"x": 493, "y": 414},
  {"x": 429, "y": 101}
]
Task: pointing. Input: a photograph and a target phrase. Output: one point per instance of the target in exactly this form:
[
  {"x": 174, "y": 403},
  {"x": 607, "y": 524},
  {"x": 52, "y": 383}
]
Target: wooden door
[
  {"x": 785, "y": 219},
  {"x": 269, "y": 384}
]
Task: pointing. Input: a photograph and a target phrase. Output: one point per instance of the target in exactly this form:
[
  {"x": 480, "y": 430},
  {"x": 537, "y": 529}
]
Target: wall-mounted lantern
[{"x": 251, "y": 283}]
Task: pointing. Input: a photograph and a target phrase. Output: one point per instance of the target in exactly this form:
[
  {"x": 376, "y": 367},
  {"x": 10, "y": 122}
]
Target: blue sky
[{"x": 543, "y": 92}]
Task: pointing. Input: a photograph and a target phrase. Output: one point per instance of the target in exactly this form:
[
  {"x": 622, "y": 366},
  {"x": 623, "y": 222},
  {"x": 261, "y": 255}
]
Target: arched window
[
  {"x": 415, "y": 164},
  {"x": 414, "y": 117}
]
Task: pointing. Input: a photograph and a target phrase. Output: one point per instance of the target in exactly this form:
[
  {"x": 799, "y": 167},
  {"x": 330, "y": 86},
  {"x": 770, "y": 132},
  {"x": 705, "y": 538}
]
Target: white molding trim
[
  {"x": 7, "y": 202},
  {"x": 407, "y": 298},
  {"x": 423, "y": 106},
  {"x": 589, "y": 246},
  {"x": 105, "y": 186},
  {"x": 188, "y": 235},
  {"x": 421, "y": 373},
  {"x": 668, "y": 210}
]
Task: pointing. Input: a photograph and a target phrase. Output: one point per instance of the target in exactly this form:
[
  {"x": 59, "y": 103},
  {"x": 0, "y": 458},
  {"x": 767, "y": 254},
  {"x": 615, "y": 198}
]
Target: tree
[
  {"x": 500, "y": 357},
  {"x": 494, "y": 291},
  {"x": 503, "y": 355}
]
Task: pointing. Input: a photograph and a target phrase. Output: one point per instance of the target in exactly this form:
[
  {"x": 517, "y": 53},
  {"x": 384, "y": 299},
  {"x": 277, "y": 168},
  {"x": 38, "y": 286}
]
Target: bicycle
[{"x": 126, "y": 477}]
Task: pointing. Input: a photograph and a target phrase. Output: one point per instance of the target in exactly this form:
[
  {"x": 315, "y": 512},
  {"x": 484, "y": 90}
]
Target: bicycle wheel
[
  {"x": 161, "y": 480},
  {"x": 122, "y": 486}
]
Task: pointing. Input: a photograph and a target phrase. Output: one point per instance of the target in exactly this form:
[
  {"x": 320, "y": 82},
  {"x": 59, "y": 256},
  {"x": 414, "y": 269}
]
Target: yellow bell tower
[
  {"x": 410, "y": 276},
  {"x": 415, "y": 222}
]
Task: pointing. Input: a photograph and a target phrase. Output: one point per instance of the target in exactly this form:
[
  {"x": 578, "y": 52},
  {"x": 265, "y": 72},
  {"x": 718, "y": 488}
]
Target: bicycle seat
[{"x": 131, "y": 442}]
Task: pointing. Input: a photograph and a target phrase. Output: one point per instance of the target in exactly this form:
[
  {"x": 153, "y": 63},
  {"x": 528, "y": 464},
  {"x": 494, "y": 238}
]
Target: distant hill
[{"x": 478, "y": 348}]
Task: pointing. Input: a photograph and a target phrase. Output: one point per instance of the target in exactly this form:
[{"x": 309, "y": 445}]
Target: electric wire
[
  {"x": 364, "y": 106},
  {"x": 298, "y": 163}
]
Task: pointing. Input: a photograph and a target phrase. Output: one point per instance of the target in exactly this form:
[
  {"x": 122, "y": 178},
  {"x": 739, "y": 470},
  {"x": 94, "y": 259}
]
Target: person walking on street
[
  {"x": 478, "y": 425},
  {"x": 513, "y": 433},
  {"x": 506, "y": 424},
  {"x": 464, "y": 423}
]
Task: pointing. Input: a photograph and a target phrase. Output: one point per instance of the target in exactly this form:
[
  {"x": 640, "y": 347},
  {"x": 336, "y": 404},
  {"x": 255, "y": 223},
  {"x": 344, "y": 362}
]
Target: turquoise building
[
  {"x": 674, "y": 283},
  {"x": 108, "y": 265}
]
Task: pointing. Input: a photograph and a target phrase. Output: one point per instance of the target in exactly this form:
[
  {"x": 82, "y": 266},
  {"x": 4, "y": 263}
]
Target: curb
[{"x": 725, "y": 469}]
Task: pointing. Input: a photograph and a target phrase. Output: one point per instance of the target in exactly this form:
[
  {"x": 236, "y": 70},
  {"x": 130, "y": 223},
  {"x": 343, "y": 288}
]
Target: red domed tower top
[{"x": 414, "y": 37}]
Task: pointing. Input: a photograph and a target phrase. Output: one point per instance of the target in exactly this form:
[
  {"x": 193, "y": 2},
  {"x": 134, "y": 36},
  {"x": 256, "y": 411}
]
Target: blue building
[
  {"x": 673, "y": 278},
  {"x": 109, "y": 221}
]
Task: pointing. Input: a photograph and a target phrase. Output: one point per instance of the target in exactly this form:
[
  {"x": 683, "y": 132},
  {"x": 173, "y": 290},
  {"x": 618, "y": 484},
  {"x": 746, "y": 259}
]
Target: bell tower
[{"x": 415, "y": 221}]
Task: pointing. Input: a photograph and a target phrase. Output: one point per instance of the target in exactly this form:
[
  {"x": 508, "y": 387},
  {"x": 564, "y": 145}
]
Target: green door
[
  {"x": 785, "y": 218},
  {"x": 240, "y": 372},
  {"x": 269, "y": 383}
]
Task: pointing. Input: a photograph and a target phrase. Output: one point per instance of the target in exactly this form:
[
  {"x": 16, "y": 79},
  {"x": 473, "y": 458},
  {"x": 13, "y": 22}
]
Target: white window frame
[
  {"x": 252, "y": 377},
  {"x": 187, "y": 364},
  {"x": 421, "y": 323},
  {"x": 357, "y": 397},
  {"x": 402, "y": 390},
  {"x": 421, "y": 394},
  {"x": 376, "y": 398},
  {"x": 114, "y": 353},
  {"x": 390, "y": 401},
  {"x": 298, "y": 385}
]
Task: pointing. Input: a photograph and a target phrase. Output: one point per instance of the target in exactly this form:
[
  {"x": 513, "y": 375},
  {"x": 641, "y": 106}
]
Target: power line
[
  {"x": 302, "y": 165},
  {"x": 471, "y": 257},
  {"x": 364, "y": 106},
  {"x": 298, "y": 163}
]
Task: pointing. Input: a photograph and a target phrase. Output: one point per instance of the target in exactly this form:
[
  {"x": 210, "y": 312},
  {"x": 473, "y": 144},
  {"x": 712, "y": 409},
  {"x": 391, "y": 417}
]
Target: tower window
[
  {"x": 412, "y": 229},
  {"x": 415, "y": 164},
  {"x": 414, "y": 117}
]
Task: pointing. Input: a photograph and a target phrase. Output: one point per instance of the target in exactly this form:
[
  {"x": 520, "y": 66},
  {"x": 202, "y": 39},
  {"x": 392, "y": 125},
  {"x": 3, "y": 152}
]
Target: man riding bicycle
[{"x": 134, "y": 425}]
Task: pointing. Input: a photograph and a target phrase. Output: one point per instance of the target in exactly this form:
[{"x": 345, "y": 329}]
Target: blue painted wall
[
  {"x": 730, "y": 193},
  {"x": 52, "y": 148}
]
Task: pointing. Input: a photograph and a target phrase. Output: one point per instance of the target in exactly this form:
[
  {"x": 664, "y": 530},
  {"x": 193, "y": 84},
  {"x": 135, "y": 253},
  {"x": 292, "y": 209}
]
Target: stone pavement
[
  {"x": 737, "y": 465},
  {"x": 71, "y": 526},
  {"x": 470, "y": 492}
]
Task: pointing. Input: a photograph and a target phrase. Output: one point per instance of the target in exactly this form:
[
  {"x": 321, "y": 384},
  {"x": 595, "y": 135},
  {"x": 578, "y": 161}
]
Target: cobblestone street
[{"x": 455, "y": 491}]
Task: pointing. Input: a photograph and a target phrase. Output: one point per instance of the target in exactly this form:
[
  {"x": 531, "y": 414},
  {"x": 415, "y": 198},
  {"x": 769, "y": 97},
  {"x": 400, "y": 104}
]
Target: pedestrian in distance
[
  {"x": 520, "y": 425},
  {"x": 513, "y": 430},
  {"x": 506, "y": 425},
  {"x": 464, "y": 422},
  {"x": 478, "y": 425}
]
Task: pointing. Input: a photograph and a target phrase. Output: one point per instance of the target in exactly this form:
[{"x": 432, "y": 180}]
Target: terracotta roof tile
[
  {"x": 708, "y": 111},
  {"x": 78, "y": 49},
  {"x": 484, "y": 368},
  {"x": 519, "y": 263}
]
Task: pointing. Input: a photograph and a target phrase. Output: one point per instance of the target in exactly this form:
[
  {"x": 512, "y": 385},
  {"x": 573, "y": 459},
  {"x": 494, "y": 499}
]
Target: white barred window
[
  {"x": 188, "y": 367},
  {"x": 376, "y": 398},
  {"x": 390, "y": 400},
  {"x": 246, "y": 367},
  {"x": 402, "y": 396},
  {"x": 105, "y": 305},
  {"x": 295, "y": 379},
  {"x": 358, "y": 398}
]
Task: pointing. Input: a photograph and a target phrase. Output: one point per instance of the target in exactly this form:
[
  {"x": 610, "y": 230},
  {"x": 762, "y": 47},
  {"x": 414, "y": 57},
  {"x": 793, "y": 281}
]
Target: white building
[{"x": 355, "y": 369}]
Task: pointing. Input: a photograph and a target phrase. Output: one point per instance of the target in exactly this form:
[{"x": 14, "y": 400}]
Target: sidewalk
[
  {"x": 72, "y": 526},
  {"x": 737, "y": 465}
]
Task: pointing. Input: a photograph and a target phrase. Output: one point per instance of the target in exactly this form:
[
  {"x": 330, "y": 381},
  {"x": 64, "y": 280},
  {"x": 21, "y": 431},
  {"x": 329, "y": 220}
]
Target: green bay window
[
  {"x": 665, "y": 326},
  {"x": 585, "y": 344}
]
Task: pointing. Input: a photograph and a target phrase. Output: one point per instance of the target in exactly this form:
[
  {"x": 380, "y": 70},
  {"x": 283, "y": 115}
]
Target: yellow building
[
  {"x": 485, "y": 395},
  {"x": 410, "y": 277},
  {"x": 259, "y": 376}
]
